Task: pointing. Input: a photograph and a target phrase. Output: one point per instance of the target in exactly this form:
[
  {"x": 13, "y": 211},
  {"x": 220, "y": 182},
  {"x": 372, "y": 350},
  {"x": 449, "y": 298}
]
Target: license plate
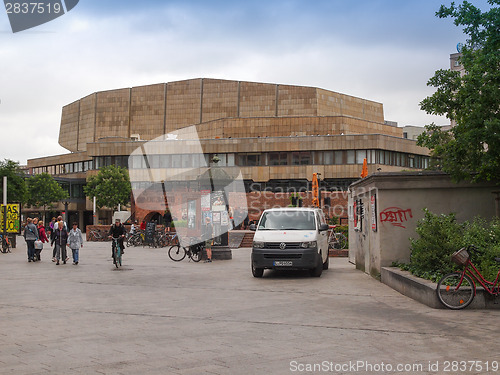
[{"x": 283, "y": 263}]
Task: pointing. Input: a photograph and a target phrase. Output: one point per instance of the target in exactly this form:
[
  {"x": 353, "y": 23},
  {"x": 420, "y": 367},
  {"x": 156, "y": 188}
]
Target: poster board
[{"x": 13, "y": 218}]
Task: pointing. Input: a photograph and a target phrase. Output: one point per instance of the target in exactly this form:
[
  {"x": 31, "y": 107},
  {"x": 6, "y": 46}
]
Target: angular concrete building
[{"x": 277, "y": 135}]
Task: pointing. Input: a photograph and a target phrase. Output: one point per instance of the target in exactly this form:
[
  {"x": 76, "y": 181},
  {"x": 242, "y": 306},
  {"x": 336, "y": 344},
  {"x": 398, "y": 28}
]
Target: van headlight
[
  {"x": 309, "y": 244},
  {"x": 258, "y": 244}
]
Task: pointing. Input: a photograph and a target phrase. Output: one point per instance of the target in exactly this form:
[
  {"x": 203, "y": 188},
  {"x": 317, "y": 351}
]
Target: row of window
[
  {"x": 275, "y": 186},
  {"x": 341, "y": 157}
]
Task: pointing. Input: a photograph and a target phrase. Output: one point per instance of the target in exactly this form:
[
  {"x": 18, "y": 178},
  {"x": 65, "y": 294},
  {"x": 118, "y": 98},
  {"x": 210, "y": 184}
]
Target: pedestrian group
[{"x": 36, "y": 235}]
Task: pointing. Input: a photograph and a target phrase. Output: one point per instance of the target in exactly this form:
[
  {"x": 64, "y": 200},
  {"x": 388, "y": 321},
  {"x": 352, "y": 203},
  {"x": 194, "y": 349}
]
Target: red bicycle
[{"x": 458, "y": 289}]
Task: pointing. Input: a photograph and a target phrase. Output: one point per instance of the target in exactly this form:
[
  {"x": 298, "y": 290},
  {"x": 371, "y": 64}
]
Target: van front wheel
[
  {"x": 318, "y": 270},
  {"x": 257, "y": 272}
]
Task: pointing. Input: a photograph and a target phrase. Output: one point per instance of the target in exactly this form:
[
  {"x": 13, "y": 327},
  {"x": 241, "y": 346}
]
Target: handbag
[{"x": 38, "y": 245}]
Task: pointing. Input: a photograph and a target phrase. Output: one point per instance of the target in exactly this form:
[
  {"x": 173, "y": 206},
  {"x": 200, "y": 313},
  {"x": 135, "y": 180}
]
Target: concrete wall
[
  {"x": 399, "y": 202},
  {"x": 154, "y": 110}
]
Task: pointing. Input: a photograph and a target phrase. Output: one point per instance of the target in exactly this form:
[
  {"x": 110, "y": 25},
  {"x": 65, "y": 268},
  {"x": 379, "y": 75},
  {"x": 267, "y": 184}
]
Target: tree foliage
[
  {"x": 16, "y": 186},
  {"x": 472, "y": 99},
  {"x": 437, "y": 140},
  {"x": 111, "y": 187},
  {"x": 43, "y": 190}
]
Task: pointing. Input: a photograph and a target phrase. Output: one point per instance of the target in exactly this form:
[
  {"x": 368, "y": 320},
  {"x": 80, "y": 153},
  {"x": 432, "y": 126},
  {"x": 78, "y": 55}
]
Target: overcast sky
[{"x": 381, "y": 50}]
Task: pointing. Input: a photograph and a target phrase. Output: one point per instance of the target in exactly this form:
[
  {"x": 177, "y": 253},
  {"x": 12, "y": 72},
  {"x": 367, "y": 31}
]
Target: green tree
[
  {"x": 111, "y": 187},
  {"x": 471, "y": 99},
  {"x": 43, "y": 190},
  {"x": 437, "y": 140},
  {"x": 16, "y": 185}
]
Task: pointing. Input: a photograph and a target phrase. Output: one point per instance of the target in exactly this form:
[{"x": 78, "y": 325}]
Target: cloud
[{"x": 379, "y": 50}]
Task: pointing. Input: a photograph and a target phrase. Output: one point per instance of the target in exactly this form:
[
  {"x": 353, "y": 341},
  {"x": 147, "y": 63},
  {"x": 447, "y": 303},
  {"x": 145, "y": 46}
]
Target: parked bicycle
[
  {"x": 458, "y": 289},
  {"x": 5, "y": 243},
  {"x": 95, "y": 235},
  {"x": 336, "y": 240},
  {"x": 194, "y": 252},
  {"x": 137, "y": 239},
  {"x": 117, "y": 252}
]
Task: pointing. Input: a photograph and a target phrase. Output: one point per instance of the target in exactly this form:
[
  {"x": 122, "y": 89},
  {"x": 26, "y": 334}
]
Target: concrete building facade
[{"x": 277, "y": 135}]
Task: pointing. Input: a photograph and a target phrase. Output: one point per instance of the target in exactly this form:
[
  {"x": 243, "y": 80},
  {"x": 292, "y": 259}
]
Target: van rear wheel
[
  {"x": 318, "y": 270},
  {"x": 257, "y": 272}
]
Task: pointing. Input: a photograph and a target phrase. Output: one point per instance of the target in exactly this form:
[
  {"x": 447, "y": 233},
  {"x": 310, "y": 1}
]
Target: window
[
  {"x": 136, "y": 161},
  {"x": 277, "y": 158},
  {"x": 411, "y": 160},
  {"x": 165, "y": 161},
  {"x": 301, "y": 158},
  {"x": 328, "y": 157},
  {"x": 176, "y": 161},
  {"x": 186, "y": 160},
  {"x": 339, "y": 157},
  {"x": 77, "y": 191},
  {"x": 360, "y": 156},
  {"x": 387, "y": 158},
  {"x": 372, "y": 157},
  {"x": 350, "y": 156},
  {"x": 253, "y": 160}
]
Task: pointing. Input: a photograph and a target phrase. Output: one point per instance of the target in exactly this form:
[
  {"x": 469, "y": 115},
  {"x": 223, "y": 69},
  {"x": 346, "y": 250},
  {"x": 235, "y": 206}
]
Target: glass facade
[{"x": 393, "y": 158}]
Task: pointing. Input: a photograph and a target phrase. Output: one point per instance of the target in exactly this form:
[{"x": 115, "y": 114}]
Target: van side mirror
[
  {"x": 323, "y": 227},
  {"x": 252, "y": 227}
]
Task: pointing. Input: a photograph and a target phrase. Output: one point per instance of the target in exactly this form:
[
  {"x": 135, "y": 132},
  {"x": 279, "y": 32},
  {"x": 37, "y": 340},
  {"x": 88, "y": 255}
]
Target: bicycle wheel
[
  {"x": 454, "y": 295},
  {"x": 176, "y": 253},
  {"x": 135, "y": 240},
  {"x": 115, "y": 258},
  {"x": 341, "y": 241},
  {"x": 196, "y": 256}
]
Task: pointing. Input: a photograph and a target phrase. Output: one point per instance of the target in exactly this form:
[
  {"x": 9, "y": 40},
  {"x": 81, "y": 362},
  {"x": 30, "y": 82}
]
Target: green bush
[
  {"x": 441, "y": 235},
  {"x": 344, "y": 229}
]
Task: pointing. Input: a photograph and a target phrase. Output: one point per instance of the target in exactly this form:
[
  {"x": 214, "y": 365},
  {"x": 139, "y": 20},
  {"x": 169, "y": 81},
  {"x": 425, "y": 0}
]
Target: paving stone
[{"x": 162, "y": 317}]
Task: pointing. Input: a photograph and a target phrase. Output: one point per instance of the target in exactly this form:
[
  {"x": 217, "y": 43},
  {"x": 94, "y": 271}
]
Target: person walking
[
  {"x": 52, "y": 223},
  {"x": 75, "y": 241},
  {"x": 208, "y": 234},
  {"x": 60, "y": 240},
  {"x": 42, "y": 236},
  {"x": 52, "y": 232},
  {"x": 30, "y": 236},
  {"x": 60, "y": 219}
]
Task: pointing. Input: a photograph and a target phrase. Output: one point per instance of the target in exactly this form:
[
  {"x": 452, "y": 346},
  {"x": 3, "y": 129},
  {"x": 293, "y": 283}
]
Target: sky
[{"x": 380, "y": 50}]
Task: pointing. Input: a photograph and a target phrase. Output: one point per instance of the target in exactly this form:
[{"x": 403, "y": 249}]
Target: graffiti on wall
[{"x": 396, "y": 216}]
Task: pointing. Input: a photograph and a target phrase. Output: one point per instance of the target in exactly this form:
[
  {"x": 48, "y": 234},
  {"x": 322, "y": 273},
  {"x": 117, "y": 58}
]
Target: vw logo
[{"x": 282, "y": 246}]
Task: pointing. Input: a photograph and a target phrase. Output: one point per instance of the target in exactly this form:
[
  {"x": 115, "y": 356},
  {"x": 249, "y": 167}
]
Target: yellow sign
[{"x": 13, "y": 218}]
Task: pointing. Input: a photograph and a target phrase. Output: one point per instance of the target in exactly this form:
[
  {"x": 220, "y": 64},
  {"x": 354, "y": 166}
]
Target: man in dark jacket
[{"x": 117, "y": 230}]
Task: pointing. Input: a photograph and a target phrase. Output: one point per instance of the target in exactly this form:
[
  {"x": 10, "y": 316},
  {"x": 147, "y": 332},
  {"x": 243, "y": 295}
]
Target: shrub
[
  {"x": 441, "y": 235},
  {"x": 344, "y": 229}
]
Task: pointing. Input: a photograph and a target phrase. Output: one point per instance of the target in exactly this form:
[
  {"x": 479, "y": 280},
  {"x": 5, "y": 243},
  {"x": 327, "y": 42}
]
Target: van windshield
[{"x": 287, "y": 220}]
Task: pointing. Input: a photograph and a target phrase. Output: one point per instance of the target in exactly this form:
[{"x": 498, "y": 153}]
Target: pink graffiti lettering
[{"x": 396, "y": 216}]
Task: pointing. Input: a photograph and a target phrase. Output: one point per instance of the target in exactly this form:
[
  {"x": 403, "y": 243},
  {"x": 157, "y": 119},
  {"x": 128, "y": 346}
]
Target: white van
[{"x": 290, "y": 238}]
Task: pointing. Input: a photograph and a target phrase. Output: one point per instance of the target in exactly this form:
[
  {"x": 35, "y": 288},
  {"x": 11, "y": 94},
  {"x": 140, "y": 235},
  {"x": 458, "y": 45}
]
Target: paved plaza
[{"x": 155, "y": 316}]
